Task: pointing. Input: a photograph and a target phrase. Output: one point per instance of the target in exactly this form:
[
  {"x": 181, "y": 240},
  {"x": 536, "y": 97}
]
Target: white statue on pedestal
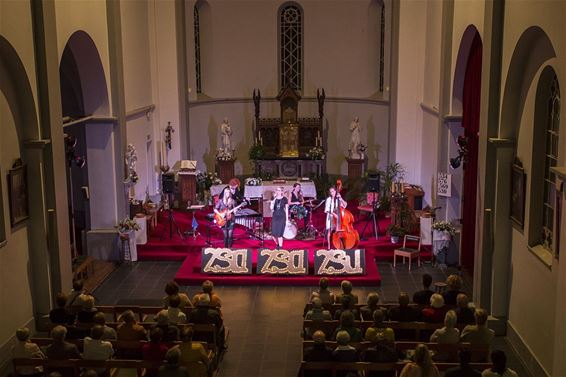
[
  {"x": 354, "y": 148},
  {"x": 226, "y": 135}
]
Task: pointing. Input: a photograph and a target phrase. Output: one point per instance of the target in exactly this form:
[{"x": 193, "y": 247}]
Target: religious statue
[
  {"x": 354, "y": 148},
  {"x": 226, "y": 135},
  {"x": 131, "y": 158},
  {"x": 320, "y": 96}
]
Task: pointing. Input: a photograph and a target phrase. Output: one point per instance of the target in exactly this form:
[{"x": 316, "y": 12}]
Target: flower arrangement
[
  {"x": 206, "y": 179},
  {"x": 253, "y": 181},
  {"x": 316, "y": 153},
  {"x": 444, "y": 226},
  {"x": 396, "y": 230},
  {"x": 126, "y": 225},
  {"x": 256, "y": 152},
  {"x": 224, "y": 155}
]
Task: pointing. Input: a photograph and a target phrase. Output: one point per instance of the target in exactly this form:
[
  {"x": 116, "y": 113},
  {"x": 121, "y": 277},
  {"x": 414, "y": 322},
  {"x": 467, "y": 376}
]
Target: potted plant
[
  {"x": 256, "y": 152},
  {"x": 392, "y": 173},
  {"x": 396, "y": 232}
]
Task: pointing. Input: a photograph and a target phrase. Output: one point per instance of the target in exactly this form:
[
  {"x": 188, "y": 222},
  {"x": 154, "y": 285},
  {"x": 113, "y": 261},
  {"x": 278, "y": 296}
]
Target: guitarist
[
  {"x": 226, "y": 203},
  {"x": 237, "y": 194}
]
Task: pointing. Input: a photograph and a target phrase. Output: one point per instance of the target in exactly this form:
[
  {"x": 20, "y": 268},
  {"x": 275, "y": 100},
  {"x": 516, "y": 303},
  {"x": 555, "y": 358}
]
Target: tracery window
[{"x": 291, "y": 46}]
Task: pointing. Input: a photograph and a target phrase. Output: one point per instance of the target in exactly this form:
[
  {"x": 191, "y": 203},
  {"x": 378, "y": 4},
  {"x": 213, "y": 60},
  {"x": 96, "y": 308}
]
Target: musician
[
  {"x": 279, "y": 206},
  {"x": 332, "y": 209},
  {"x": 297, "y": 203},
  {"x": 226, "y": 203},
  {"x": 237, "y": 194}
]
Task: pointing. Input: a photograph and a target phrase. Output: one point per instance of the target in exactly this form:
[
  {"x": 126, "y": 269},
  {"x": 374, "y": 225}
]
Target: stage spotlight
[{"x": 455, "y": 162}]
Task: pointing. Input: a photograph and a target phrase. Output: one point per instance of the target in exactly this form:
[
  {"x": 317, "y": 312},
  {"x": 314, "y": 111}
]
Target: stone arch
[{"x": 460, "y": 69}]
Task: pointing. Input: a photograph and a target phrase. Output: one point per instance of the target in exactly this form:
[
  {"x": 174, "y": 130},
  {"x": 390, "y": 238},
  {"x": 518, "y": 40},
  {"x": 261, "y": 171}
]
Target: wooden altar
[{"x": 288, "y": 140}]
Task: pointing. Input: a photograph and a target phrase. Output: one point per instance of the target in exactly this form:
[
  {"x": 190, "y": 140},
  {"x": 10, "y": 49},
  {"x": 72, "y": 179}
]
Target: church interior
[{"x": 126, "y": 125}]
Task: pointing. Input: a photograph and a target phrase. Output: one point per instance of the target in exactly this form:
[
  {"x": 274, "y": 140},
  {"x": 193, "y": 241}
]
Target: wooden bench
[{"x": 78, "y": 364}]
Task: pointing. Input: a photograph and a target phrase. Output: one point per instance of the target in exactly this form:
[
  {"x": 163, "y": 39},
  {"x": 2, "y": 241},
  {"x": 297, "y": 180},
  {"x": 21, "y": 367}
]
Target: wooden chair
[{"x": 408, "y": 252}]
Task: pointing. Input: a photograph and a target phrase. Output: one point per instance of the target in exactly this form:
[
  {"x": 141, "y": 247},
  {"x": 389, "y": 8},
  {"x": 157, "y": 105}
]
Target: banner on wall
[
  {"x": 340, "y": 262},
  {"x": 226, "y": 261},
  {"x": 444, "y": 184},
  {"x": 282, "y": 262}
]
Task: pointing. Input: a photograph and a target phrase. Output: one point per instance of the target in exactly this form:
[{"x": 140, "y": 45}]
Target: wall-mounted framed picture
[
  {"x": 2, "y": 222},
  {"x": 518, "y": 187},
  {"x": 18, "y": 193}
]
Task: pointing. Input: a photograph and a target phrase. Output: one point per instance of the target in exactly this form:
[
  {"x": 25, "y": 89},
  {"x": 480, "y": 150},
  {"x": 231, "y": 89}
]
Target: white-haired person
[
  {"x": 448, "y": 334},
  {"x": 59, "y": 349},
  {"x": 174, "y": 312},
  {"x": 436, "y": 311},
  {"x": 94, "y": 348},
  {"x": 208, "y": 288},
  {"x": 25, "y": 349}
]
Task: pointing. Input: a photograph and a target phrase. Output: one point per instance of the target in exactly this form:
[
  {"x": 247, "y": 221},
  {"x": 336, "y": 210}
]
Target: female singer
[
  {"x": 279, "y": 206},
  {"x": 226, "y": 203},
  {"x": 331, "y": 208},
  {"x": 296, "y": 204}
]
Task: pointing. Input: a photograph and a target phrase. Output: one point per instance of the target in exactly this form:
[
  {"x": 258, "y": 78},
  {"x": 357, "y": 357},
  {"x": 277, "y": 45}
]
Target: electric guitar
[{"x": 220, "y": 219}]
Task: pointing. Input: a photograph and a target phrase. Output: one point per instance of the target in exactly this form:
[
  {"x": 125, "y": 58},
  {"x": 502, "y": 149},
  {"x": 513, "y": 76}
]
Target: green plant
[
  {"x": 256, "y": 152},
  {"x": 392, "y": 173},
  {"x": 395, "y": 230}
]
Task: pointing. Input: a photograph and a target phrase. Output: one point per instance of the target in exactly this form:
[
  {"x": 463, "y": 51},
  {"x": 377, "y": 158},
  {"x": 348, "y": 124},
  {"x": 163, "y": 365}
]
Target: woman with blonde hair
[
  {"x": 422, "y": 366},
  {"x": 280, "y": 207}
]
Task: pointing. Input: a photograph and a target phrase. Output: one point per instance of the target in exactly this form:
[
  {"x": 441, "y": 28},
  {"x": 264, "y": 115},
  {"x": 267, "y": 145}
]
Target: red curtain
[{"x": 471, "y": 124}]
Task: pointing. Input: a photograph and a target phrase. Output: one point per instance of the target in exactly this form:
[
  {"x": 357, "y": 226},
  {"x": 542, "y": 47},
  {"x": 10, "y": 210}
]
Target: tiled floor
[{"x": 264, "y": 321}]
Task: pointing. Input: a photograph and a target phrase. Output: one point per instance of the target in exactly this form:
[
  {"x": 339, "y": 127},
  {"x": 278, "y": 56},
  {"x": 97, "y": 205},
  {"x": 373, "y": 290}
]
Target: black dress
[{"x": 279, "y": 218}]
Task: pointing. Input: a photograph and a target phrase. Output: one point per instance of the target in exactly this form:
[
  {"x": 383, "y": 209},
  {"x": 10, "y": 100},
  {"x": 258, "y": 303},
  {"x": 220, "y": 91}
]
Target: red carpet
[{"x": 189, "y": 251}]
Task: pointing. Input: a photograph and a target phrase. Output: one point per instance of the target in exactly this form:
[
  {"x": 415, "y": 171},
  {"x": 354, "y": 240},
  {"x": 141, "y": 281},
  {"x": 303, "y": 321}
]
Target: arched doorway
[
  {"x": 89, "y": 141},
  {"x": 467, "y": 97}
]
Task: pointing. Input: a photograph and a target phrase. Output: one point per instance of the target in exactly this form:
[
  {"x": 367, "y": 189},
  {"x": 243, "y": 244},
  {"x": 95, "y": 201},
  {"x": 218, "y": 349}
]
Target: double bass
[{"x": 345, "y": 236}]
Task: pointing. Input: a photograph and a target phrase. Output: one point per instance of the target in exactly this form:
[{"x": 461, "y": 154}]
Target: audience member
[
  {"x": 346, "y": 286},
  {"x": 344, "y": 352},
  {"x": 204, "y": 314},
  {"x": 378, "y": 330},
  {"x": 207, "y": 288},
  {"x": 464, "y": 370},
  {"x": 436, "y": 311},
  {"x": 76, "y": 296},
  {"x": 94, "y": 348},
  {"x": 193, "y": 354},
  {"x": 347, "y": 324},
  {"x": 346, "y": 306},
  {"x": 25, "y": 349},
  {"x": 317, "y": 313},
  {"x": 109, "y": 332},
  {"x": 54, "y": 374},
  {"x": 172, "y": 289},
  {"x": 174, "y": 312},
  {"x": 172, "y": 368},
  {"x": 454, "y": 283},
  {"x": 499, "y": 368},
  {"x": 447, "y": 334},
  {"x": 463, "y": 311},
  {"x": 478, "y": 333},
  {"x": 319, "y": 352},
  {"x": 403, "y": 312},
  {"x": 130, "y": 329},
  {"x": 154, "y": 350},
  {"x": 380, "y": 351},
  {"x": 87, "y": 312},
  {"x": 59, "y": 349},
  {"x": 422, "y": 366},
  {"x": 170, "y": 332},
  {"x": 61, "y": 315},
  {"x": 89, "y": 373},
  {"x": 323, "y": 293},
  {"x": 372, "y": 302},
  {"x": 422, "y": 297}
]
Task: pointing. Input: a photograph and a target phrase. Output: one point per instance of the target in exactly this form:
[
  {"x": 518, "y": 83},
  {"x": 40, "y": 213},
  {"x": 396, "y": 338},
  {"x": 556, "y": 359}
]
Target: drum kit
[{"x": 310, "y": 232}]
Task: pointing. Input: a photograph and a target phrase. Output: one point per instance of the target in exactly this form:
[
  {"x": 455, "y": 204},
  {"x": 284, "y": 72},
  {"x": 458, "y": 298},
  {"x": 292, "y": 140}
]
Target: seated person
[
  {"x": 172, "y": 289},
  {"x": 436, "y": 311},
  {"x": 346, "y": 306},
  {"x": 464, "y": 369},
  {"x": 422, "y": 297},
  {"x": 94, "y": 348},
  {"x": 478, "y": 333},
  {"x": 109, "y": 332},
  {"x": 208, "y": 288},
  {"x": 170, "y": 332},
  {"x": 59, "y": 349},
  {"x": 446, "y": 335},
  {"x": 347, "y": 325},
  {"x": 317, "y": 313},
  {"x": 25, "y": 349},
  {"x": 193, "y": 354},
  {"x": 499, "y": 368},
  {"x": 204, "y": 314},
  {"x": 346, "y": 286},
  {"x": 422, "y": 365},
  {"x": 155, "y": 349},
  {"x": 344, "y": 352},
  {"x": 372, "y": 302},
  {"x": 172, "y": 367},
  {"x": 324, "y": 294},
  {"x": 130, "y": 329},
  {"x": 61, "y": 315},
  {"x": 403, "y": 312},
  {"x": 87, "y": 312},
  {"x": 174, "y": 313},
  {"x": 319, "y": 352},
  {"x": 380, "y": 351},
  {"x": 454, "y": 284},
  {"x": 75, "y": 297},
  {"x": 464, "y": 312},
  {"x": 379, "y": 329}
]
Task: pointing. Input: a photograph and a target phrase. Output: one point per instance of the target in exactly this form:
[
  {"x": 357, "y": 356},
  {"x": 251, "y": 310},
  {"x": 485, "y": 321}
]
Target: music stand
[
  {"x": 310, "y": 230},
  {"x": 372, "y": 217},
  {"x": 171, "y": 220}
]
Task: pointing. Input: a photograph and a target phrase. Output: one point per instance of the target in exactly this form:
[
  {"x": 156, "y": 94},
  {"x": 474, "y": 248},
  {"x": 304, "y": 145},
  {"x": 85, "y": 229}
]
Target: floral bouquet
[
  {"x": 126, "y": 225},
  {"x": 206, "y": 179},
  {"x": 224, "y": 155},
  {"x": 253, "y": 181},
  {"x": 444, "y": 226},
  {"x": 316, "y": 153}
]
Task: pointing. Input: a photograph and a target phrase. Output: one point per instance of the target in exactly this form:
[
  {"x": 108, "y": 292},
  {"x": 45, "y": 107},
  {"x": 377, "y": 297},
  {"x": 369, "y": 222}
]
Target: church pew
[{"x": 78, "y": 364}]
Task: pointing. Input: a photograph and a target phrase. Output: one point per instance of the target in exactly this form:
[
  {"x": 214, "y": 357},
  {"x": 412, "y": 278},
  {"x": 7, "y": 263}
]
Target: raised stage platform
[{"x": 189, "y": 251}]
